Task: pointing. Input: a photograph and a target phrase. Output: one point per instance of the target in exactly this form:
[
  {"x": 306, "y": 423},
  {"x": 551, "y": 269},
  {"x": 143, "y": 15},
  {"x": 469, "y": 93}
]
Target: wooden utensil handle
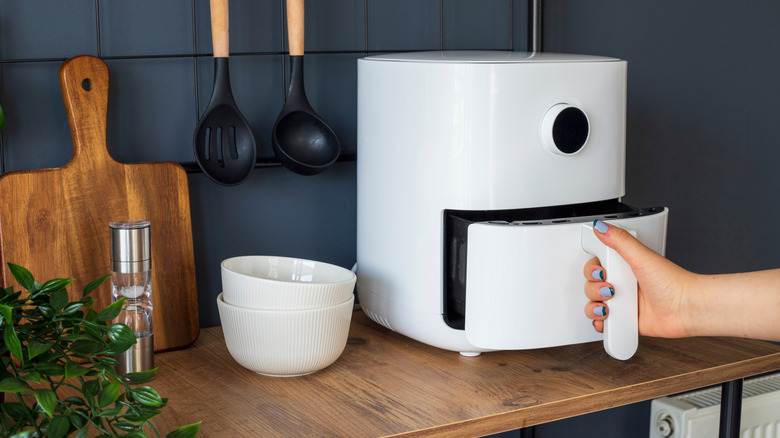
[
  {"x": 295, "y": 23},
  {"x": 220, "y": 28},
  {"x": 84, "y": 84}
]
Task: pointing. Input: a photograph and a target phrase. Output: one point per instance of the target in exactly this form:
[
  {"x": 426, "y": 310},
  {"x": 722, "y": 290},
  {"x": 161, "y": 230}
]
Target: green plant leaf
[
  {"x": 110, "y": 412},
  {"x": 4, "y": 292},
  {"x": 107, "y": 361},
  {"x": 94, "y": 284},
  {"x": 121, "y": 334},
  {"x": 47, "y": 399},
  {"x": 59, "y": 426},
  {"x": 12, "y": 342},
  {"x": 7, "y": 313},
  {"x": 22, "y": 276},
  {"x": 37, "y": 348},
  {"x": 126, "y": 426},
  {"x": 108, "y": 394},
  {"x": 46, "y": 311},
  {"x": 83, "y": 432},
  {"x": 95, "y": 333},
  {"x": 50, "y": 356},
  {"x": 111, "y": 311},
  {"x": 147, "y": 396},
  {"x": 76, "y": 420},
  {"x": 90, "y": 387},
  {"x": 72, "y": 369},
  {"x": 59, "y": 299},
  {"x": 33, "y": 376},
  {"x": 55, "y": 285},
  {"x": 72, "y": 308},
  {"x": 114, "y": 349},
  {"x": 77, "y": 401},
  {"x": 12, "y": 384},
  {"x": 141, "y": 413},
  {"x": 141, "y": 376},
  {"x": 35, "y": 289},
  {"x": 187, "y": 431},
  {"x": 17, "y": 411},
  {"x": 85, "y": 346},
  {"x": 22, "y": 434},
  {"x": 49, "y": 369}
]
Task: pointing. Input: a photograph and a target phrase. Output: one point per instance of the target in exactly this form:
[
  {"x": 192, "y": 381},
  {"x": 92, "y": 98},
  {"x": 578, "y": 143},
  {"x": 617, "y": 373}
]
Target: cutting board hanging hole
[{"x": 86, "y": 84}]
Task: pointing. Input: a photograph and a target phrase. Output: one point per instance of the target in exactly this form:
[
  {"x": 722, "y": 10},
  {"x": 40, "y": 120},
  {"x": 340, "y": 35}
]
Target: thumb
[{"x": 634, "y": 252}]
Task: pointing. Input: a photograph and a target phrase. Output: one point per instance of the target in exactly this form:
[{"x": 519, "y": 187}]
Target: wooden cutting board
[{"x": 55, "y": 222}]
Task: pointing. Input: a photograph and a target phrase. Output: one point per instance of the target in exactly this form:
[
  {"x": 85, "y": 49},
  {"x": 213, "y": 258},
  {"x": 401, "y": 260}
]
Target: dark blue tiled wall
[
  {"x": 404, "y": 25},
  {"x": 135, "y": 27}
]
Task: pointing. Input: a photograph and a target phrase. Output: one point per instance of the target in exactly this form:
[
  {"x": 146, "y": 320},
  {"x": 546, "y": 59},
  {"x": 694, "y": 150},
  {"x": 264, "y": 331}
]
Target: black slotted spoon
[{"x": 225, "y": 147}]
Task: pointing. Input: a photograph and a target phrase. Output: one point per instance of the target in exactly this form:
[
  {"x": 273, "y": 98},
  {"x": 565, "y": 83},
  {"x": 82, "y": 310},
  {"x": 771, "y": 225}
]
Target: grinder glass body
[{"x": 131, "y": 278}]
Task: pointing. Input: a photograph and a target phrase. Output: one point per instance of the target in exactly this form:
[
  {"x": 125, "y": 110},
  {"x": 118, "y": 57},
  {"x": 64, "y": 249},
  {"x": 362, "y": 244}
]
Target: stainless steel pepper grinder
[{"x": 131, "y": 277}]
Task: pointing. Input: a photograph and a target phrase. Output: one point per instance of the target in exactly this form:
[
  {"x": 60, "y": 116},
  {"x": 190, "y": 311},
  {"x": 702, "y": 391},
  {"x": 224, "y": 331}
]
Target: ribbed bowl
[
  {"x": 283, "y": 283},
  {"x": 285, "y": 343}
]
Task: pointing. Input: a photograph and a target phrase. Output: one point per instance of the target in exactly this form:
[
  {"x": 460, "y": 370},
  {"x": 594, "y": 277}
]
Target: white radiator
[{"x": 696, "y": 414}]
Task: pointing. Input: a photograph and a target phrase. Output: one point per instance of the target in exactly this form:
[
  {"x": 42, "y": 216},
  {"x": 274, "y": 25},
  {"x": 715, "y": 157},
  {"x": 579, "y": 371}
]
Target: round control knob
[
  {"x": 565, "y": 129},
  {"x": 664, "y": 426}
]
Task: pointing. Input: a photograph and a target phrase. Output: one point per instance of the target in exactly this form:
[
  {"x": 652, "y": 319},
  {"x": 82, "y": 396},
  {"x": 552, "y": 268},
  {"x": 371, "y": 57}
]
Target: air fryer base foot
[{"x": 470, "y": 353}]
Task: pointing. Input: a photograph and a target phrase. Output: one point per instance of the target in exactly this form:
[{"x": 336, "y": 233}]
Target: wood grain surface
[
  {"x": 386, "y": 384},
  {"x": 55, "y": 222},
  {"x": 295, "y": 26},
  {"x": 220, "y": 28}
]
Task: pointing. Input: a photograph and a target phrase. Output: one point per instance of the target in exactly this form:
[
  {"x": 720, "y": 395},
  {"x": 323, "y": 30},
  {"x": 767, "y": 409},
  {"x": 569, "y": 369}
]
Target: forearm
[{"x": 739, "y": 305}]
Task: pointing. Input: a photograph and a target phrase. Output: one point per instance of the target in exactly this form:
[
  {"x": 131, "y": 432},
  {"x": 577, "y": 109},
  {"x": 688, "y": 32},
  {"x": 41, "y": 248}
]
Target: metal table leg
[
  {"x": 730, "y": 409},
  {"x": 528, "y": 432}
]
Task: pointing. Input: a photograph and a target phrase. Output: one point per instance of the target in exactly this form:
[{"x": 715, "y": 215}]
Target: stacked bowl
[{"x": 285, "y": 316}]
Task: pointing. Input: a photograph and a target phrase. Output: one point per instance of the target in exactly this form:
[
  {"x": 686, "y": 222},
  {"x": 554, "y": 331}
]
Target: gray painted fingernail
[
  {"x": 597, "y": 274},
  {"x": 606, "y": 291},
  {"x": 600, "y": 226},
  {"x": 600, "y": 311}
]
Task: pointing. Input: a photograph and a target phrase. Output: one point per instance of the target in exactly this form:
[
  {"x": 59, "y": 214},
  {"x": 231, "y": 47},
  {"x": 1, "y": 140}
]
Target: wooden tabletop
[{"x": 387, "y": 384}]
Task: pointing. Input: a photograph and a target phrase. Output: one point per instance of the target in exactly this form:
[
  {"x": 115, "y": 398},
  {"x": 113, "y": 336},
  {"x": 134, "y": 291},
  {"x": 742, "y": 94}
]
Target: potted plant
[{"x": 57, "y": 374}]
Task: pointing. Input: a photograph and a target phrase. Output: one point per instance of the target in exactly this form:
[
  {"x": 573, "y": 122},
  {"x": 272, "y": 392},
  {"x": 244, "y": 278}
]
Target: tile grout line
[
  {"x": 195, "y": 60},
  {"x": 441, "y": 24},
  {"x": 365, "y": 25},
  {"x": 97, "y": 28},
  {"x": 283, "y": 27}
]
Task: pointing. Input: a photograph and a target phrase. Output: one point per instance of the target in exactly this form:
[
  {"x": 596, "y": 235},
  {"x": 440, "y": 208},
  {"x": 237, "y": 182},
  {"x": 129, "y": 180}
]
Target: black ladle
[
  {"x": 225, "y": 147},
  {"x": 301, "y": 140}
]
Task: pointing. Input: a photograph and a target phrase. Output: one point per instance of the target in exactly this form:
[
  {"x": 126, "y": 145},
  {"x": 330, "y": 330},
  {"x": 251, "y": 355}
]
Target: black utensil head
[
  {"x": 304, "y": 143},
  {"x": 225, "y": 147}
]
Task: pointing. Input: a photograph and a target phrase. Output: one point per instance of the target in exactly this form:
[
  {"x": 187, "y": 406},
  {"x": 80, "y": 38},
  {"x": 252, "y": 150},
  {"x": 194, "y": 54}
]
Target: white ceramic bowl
[
  {"x": 283, "y": 283},
  {"x": 285, "y": 343}
]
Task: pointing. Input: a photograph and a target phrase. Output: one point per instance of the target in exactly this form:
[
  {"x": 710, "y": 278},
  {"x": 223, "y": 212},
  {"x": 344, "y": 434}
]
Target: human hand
[{"x": 661, "y": 285}]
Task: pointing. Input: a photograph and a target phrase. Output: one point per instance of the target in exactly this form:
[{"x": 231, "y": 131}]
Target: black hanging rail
[
  {"x": 535, "y": 26},
  {"x": 267, "y": 161}
]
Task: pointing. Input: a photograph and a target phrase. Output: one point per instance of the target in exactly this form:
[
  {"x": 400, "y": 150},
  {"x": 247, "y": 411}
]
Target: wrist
[{"x": 693, "y": 304}]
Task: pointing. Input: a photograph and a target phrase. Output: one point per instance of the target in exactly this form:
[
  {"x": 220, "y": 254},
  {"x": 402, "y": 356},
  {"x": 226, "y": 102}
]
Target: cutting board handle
[{"x": 84, "y": 84}]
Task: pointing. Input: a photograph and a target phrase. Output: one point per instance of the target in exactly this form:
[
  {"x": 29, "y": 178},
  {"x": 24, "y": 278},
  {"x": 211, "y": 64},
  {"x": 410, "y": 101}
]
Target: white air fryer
[{"x": 479, "y": 177}]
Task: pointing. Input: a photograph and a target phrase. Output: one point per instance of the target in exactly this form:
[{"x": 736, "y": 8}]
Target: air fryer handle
[{"x": 621, "y": 327}]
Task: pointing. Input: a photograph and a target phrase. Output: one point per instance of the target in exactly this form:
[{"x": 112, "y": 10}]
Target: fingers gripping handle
[{"x": 621, "y": 328}]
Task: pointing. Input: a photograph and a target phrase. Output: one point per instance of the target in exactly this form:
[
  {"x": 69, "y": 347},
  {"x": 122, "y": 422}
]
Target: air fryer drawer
[{"x": 509, "y": 226}]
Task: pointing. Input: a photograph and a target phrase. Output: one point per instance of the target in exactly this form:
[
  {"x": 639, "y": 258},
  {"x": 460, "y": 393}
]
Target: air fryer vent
[
  {"x": 751, "y": 387},
  {"x": 379, "y": 319}
]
